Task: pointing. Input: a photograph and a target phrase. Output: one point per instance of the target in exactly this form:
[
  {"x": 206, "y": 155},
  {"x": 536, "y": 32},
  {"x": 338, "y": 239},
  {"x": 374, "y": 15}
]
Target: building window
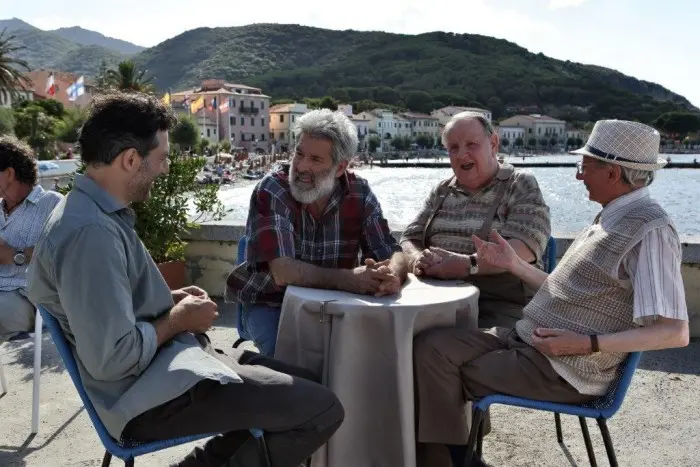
[
  {"x": 233, "y": 136},
  {"x": 242, "y": 121},
  {"x": 281, "y": 118},
  {"x": 233, "y": 102},
  {"x": 208, "y": 133},
  {"x": 232, "y": 120},
  {"x": 272, "y": 136},
  {"x": 262, "y": 137},
  {"x": 262, "y": 106},
  {"x": 294, "y": 118},
  {"x": 252, "y": 121},
  {"x": 282, "y": 135},
  {"x": 262, "y": 122}
]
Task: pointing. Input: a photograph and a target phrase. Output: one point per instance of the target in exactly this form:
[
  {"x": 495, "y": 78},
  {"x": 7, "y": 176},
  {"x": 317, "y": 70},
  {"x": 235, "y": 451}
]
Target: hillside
[
  {"x": 87, "y": 38},
  {"x": 419, "y": 72},
  {"x": 296, "y": 61},
  {"x": 69, "y": 49}
]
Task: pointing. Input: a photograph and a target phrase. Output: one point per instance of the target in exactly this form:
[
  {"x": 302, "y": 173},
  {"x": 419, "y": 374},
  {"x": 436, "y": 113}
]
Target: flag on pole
[
  {"x": 76, "y": 89},
  {"x": 212, "y": 105},
  {"x": 197, "y": 105},
  {"x": 166, "y": 98},
  {"x": 51, "y": 85},
  {"x": 224, "y": 106}
]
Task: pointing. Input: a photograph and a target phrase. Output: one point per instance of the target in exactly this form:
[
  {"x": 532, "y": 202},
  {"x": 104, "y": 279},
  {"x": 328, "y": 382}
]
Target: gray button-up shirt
[{"x": 92, "y": 272}]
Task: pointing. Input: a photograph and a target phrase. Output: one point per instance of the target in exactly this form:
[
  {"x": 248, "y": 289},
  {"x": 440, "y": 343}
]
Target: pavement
[{"x": 657, "y": 425}]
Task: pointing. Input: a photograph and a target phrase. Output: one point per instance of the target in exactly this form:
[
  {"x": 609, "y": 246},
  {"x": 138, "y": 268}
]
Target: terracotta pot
[{"x": 174, "y": 273}]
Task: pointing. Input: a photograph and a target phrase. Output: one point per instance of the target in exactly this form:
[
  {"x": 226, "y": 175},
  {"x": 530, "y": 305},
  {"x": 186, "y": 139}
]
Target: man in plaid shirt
[{"x": 307, "y": 225}]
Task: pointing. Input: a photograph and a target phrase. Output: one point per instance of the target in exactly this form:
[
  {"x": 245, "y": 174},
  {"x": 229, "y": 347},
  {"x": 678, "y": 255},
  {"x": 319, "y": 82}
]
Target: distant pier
[{"x": 446, "y": 165}]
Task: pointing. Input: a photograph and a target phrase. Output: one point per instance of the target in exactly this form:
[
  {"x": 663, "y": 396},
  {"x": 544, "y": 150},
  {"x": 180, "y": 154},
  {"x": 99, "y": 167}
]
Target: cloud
[{"x": 560, "y": 4}]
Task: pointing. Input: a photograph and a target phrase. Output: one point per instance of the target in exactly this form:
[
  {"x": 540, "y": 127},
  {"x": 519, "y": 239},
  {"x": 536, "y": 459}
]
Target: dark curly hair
[
  {"x": 18, "y": 155},
  {"x": 120, "y": 121}
]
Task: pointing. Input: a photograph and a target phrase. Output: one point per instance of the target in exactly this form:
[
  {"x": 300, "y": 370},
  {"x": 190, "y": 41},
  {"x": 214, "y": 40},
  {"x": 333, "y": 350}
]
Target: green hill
[{"x": 420, "y": 72}]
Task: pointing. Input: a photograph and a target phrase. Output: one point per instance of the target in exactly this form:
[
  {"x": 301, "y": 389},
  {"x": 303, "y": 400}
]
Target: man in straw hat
[{"x": 618, "y": 289}]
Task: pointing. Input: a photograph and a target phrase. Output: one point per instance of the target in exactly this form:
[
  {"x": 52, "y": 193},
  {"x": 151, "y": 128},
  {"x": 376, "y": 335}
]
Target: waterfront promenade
[{"x": 655, "y": 427}]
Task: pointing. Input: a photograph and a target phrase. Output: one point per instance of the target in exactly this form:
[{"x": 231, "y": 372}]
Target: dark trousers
[{"x": 297, "y": 414}]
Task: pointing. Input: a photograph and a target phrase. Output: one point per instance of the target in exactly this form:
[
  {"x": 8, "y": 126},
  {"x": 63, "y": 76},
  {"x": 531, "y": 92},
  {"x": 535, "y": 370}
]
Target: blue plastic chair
[
  {"x": 550, "y": 255},
  {"x": 600, "y": 409},
  {"x": 123, "y": 449},
  {"x": 242, "y": 335}
]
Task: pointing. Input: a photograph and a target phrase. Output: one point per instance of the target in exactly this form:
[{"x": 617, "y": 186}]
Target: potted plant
[{"x": 176, "y": 205}]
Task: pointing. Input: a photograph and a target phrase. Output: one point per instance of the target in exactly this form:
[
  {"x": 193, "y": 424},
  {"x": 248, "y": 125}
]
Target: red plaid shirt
[{"x": 279, "y": 226}]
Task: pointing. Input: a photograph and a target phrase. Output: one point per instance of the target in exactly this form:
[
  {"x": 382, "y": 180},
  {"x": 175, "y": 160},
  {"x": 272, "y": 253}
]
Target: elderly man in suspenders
[{"x": 618, "y": 289}]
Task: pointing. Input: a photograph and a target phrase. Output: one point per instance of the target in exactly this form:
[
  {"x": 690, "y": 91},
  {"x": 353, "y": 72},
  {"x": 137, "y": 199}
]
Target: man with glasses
[
  {"x": 618, "y": 289},
  {"x": 482, "y": 195}
]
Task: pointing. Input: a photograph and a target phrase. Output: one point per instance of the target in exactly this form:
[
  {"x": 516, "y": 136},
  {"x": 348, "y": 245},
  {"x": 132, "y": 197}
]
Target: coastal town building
[
  {"x": 423, "y": 125},
  {"x": 283, "y": 118},
  {"x": 542, "y": 128},
  {"x": 511, "y": 134},
  {"x": 446, "y": 113},
  {"x": 20, "y": 94},
  {"x": 241, "y": 113},
  {"x": 362, "y": 123},
  {"x": 54, "y": 84}
]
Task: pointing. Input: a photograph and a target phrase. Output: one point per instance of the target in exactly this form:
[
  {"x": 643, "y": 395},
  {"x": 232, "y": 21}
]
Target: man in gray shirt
[{"x": 146, "y": 364}]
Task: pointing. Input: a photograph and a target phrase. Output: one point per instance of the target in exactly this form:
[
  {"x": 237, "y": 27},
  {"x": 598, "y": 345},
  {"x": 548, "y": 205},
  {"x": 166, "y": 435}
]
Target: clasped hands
[{"x": 374, "y": 278}]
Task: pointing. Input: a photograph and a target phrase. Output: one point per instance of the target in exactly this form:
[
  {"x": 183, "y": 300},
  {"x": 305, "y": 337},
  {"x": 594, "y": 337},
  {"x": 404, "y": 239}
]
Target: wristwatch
[
  {"x": 594, "y": 344},
  {"x": 473, "y": 265},
  {"x": 19, "y": 258}
]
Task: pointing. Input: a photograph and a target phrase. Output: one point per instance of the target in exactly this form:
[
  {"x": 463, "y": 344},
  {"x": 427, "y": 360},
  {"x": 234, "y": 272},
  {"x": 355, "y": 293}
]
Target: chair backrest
[
  {"x": 64, "y": 350},
  {"x": 242, "y": 244},
  {"x": 550, "y": 255},
  {"x": 612, "y": 400}
]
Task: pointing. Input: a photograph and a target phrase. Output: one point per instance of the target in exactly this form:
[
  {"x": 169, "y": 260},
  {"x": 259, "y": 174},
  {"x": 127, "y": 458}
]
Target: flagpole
[
  {"x": 229, "y": 123},
  {"x": 218, "y": 132}
]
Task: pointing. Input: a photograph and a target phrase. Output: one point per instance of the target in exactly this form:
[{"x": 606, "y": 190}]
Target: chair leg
[
  {"x": 480, "y": 440},
  {"x": 608, "y": 441},
  {"x": 107, "y": 459},
  {"x": 264, "y": 453},
  {"x": 587, "y": 440},
  {"x": 557, "y": 424},
  {"x": 3, "y": 381},
  {"x": 37, "y": 372},
  {"x": 477, "y": 418}
]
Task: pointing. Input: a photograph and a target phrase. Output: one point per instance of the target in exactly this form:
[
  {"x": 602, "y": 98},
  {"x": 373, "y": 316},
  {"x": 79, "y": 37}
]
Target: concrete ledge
[
  {"x": 226, "y": 231},
  {"x": 211, "y": 254}
]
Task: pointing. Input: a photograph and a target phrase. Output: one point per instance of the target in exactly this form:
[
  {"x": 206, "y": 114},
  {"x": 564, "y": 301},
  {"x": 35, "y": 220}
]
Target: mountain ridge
[{"x": 420, "y": 71}]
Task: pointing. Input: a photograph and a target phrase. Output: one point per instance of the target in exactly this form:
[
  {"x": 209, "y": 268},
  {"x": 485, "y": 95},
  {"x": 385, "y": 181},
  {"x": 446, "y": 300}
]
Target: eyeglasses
[{"x": 580, "y": 165}]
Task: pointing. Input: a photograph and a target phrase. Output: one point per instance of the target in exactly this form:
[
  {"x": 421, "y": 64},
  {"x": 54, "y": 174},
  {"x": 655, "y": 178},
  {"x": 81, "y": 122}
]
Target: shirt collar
[
  {"x": 35, "y": 195},
  {"x": 104, "y": 200},
  {"x": 617, "y": 204}
]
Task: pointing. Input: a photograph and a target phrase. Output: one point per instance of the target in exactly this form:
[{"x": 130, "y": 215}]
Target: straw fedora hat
[{"x": 629, "y": 144}]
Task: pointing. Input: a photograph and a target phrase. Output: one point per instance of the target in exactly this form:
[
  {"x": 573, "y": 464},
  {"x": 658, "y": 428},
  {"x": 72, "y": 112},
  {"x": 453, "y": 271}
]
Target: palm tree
[
  {"x": 10, "y": 77},
  {"x": 128, "y": 77}
]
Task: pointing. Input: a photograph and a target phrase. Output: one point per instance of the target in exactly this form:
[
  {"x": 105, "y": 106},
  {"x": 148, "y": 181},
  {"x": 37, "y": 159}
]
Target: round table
[{"x": 362, "y": 347}]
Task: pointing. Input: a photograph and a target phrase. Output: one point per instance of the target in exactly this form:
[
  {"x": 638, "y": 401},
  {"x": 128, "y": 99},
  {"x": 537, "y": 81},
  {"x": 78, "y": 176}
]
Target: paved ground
[{"x": 657, "y": 426}]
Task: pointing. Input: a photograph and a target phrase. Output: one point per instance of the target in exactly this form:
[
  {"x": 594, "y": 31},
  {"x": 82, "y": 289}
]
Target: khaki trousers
[
  {"x": 16, "y": 313},
  {"x": 453, "y": 366}
]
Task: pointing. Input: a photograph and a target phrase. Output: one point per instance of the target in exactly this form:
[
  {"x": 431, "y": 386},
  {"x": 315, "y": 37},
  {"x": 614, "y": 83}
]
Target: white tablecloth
[{"x": 363, "y": 348}]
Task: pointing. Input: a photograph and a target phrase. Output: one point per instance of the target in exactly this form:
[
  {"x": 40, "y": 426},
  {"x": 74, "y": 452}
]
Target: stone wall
[{"x": 212, "y": 249}]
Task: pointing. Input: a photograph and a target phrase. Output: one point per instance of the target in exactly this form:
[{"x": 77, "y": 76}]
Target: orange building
[{"x": 62, "y": 81}]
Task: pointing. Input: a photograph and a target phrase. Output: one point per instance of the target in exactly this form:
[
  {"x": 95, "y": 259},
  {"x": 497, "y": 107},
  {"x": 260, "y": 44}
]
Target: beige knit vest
[{"x": 585, "y": 294}]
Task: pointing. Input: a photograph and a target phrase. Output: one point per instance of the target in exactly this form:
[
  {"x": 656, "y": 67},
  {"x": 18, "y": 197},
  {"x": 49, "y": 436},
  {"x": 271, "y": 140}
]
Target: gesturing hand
[{"x": 497, "y": 253}]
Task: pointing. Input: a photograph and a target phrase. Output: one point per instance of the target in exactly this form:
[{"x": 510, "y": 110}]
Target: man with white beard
[{"x": 307, "y": 225}]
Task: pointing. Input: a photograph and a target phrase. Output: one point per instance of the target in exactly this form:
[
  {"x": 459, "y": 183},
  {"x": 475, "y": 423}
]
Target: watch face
[{"x": 19, "y": 259}]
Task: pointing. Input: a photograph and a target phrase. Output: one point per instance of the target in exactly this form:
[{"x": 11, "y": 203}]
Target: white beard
[{"x": 324, "y": 184}]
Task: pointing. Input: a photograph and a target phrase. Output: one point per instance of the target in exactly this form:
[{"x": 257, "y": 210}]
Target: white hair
[
  {"x": 335, "y": 127},
  {"x": 467, "y": 115},
  {"x": 637, "y": 178}
]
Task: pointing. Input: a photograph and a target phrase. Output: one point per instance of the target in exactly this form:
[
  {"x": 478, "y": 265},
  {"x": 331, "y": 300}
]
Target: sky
[{"x": 648, "y": 39}]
